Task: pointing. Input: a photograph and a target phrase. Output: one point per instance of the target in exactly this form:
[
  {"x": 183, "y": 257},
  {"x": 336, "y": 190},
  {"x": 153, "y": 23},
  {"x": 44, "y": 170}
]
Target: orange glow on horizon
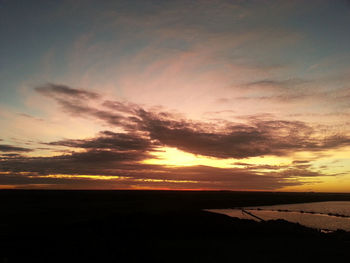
[{"x": 169, "y": 156}]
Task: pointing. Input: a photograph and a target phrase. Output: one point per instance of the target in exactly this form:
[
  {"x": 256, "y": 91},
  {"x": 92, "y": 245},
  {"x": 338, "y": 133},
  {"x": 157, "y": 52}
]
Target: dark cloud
[
  {"x": 130, "y": 172},
  {"x": 277, "y": 84},
  {"x": 114, "y": 158},
  {"x": 62, "y": 90},
  {"x": 110, "y": 140},
  {"x": 301, "y": 161},
  {"x": 77, "y": 106},
  {"x": 9, "y": 155},
  {"x": 231, "y": 178},
  {"x": 106, "y": 154},
  {"x": 38, "y": 170},
  {"x": 243, "y": 180},
  {"x": 93, "y": 161},
  {"x": 235, "y": 144},
  {"x": 299, "y": 172},
  {"x": 259, "y": 167},
  {"x": 261, "y": 135},
  {"x": 75, "y": 102},
  {"x": 258, "y": 138},
  {"x": 10, "y": 148}
]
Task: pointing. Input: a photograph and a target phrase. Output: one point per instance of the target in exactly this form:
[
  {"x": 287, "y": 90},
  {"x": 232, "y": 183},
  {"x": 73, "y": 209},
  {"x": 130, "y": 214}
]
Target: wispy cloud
[
  {"x": 11, "y": 148},
  {"x": 121, "y": 142},
  {"x": 65, "y": 91}
]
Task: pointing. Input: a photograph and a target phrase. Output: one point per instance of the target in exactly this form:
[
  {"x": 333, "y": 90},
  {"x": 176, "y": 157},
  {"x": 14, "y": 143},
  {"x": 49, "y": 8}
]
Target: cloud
[
  {"x": 93, "y": 161},
  {"x": 11, "y": 148},
  {"x": 118, "y": 106},
  {"x": 277, "y": 84},
  {"x": 259, "y": 136},
  {"x": 75, "y": 102},
  {"x": 272, "y": 90},
  {"x": 10, "y": 155},
  {"x": 305, "y": 92},
  {"x": 88, "y": 168},
  {"x": 65, "y": 91},
  {"x": 119, "y": 155},
  {"x": 110, "y": 140}
]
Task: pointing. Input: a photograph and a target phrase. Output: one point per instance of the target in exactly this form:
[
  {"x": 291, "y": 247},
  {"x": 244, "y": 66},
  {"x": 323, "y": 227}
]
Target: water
[{"x": 320, "y": 215}]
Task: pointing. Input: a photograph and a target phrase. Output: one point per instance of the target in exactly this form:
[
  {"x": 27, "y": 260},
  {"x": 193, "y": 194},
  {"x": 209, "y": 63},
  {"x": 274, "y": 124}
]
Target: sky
[{"x": 200, "y": 95}]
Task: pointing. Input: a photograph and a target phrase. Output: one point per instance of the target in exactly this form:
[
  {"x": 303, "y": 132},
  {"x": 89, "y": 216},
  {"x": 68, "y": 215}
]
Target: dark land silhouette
[{"x": 157, "y": 226}]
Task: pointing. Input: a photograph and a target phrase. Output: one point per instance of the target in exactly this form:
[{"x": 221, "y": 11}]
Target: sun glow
[
  {"x": 88, "y": 177},
  {"x": 168, "y": 156},
  {"x": 111, "y": 178},
  {"x": 335, "y": 184}
]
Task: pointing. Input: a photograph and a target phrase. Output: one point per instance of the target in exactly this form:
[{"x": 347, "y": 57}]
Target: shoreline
[{"x": 324, "y": 230}]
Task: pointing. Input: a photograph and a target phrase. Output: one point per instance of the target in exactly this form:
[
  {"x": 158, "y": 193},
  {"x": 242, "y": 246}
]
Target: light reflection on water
[{"x": 320, "y": 215}]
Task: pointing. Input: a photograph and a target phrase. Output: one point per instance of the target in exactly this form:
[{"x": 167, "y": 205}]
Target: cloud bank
[{"x": 116, "y": 159}]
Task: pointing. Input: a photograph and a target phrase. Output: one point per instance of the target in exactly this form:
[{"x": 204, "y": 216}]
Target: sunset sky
[{"x": 215, "y": 95}]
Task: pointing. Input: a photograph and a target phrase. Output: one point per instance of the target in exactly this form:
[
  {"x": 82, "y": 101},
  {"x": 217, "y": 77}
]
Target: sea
[{"x": 325, "y": 216}]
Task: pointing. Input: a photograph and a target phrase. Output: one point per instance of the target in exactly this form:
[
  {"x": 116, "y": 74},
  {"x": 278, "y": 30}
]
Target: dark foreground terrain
[{"x": 157, "y": 226}]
